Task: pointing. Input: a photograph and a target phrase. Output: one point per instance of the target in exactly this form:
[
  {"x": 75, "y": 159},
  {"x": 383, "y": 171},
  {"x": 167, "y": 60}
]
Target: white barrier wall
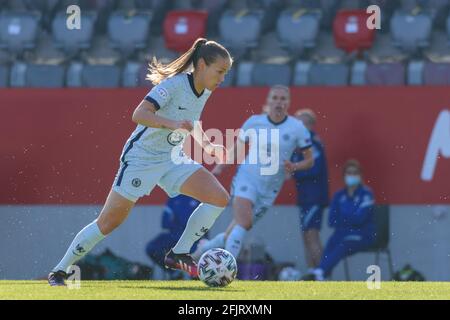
[{"x": 34, "y": 238}]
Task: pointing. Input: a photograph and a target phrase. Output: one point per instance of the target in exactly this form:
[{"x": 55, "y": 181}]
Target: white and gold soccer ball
[{"x": 217, "y": 268}]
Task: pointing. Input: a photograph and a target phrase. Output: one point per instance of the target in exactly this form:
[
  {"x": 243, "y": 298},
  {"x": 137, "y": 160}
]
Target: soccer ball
[{"x": 217, "y": 268}]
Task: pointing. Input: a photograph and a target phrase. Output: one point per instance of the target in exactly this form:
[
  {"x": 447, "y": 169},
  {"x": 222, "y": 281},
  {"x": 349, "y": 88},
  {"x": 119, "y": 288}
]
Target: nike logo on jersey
[{"x": 181, "y": 108}]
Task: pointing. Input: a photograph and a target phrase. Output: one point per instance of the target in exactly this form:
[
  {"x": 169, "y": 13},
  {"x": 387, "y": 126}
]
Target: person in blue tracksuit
[
  {"x": 351, "y": 214},
  {"x": 174, "y": 219},
  {"x": 312, "y": 192}
]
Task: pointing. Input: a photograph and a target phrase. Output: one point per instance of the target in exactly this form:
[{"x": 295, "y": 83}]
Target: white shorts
[
  {"x": 262, "y": 196},
  {"x": 138, "y": 178}
]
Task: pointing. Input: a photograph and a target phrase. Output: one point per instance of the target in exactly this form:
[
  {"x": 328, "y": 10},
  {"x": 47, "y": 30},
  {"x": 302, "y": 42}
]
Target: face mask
[{"x": 352, "y": 180}]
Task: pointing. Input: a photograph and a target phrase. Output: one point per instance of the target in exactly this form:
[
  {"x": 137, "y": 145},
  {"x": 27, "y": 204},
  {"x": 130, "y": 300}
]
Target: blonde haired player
[
  {"x": 254, "y": 192},
  {"x": 176, "y": 101}
]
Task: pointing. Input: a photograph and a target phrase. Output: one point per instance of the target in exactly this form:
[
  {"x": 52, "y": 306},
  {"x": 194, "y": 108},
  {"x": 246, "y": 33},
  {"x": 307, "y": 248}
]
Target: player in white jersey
[
  {"x": 152, "y": 153},
  {"x": 256, "y": 186}
]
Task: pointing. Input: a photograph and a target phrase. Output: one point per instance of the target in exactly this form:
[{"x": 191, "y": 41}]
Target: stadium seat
[
  {"x": 301, "y": 73},
  {"x": 358, "y": 73},
  {"x": 329, "y": 74},
  {"x": 18, "y": 30},
  {"x": 415, "y": 73},
  {"x": 298, "y": 29},
  {"x": 157, "y": 49},
  {"x": 350, "y": 31},
  {"x": 326, "y": 51},
  {"x": 4, "y": 76},
  {"x": 45, "y": 52},
  {"x": 439, "y": 50},
  {"x": 130, "y": 74},
  {"x": 384, "y": 51},
  {"x": 44, "y": 76},
  {"x": 240, "y": 31},
  {"x": 18, "y": 74},
  {"x": 411, "y": 32},
  {"x": 438, "y": 10},
  {"x": 270, "y": 50},
  {"x": 265, "y": 74},
  {"x": 73, "y": 76},
  {"x": 381, "y": 245},
  {"x": 182, "y": 28},
  {"x": 129, "y": 31},
  {"x": 142, "y": 77},
  {"x": 100, "y": 76},
  {"x": 384, "y": 74},
  {"x": 244, "y": 74},
  {"x": 101, "y": 52},
  {"x": 436, "y": 74},
  {"x": 73, "y": 40},
  {"x": 214, "y": 9}
]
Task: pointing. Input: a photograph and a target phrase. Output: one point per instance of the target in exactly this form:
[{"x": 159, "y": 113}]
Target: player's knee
[
  {"x": 247, "y": 224},
  {"x": 245, "y": 221},
  {"x": 107, "y": 226},
  {"x": 222, "y": 199}
]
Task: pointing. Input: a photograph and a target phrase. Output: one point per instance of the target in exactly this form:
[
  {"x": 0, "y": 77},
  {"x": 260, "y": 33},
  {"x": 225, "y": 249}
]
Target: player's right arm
[
  {"x": 145, "y": 115},
  {"x": 231, "y": 154},
  {"x": 237, "y": 151},
  {"x": 159, "y": 97}
]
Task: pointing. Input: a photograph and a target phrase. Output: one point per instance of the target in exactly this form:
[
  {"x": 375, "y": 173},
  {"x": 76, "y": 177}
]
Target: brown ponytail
[{"x": 202, "y": 48}]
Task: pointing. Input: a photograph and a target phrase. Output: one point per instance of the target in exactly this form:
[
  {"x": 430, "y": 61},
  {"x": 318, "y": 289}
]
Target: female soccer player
[
  {"x": 153, "y": 153},
  {"x": 253, "y": 191}
]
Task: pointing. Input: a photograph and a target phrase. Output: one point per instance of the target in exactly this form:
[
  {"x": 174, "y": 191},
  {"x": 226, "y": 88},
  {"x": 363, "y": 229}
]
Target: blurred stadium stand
[{"x": 296, "y": 42}]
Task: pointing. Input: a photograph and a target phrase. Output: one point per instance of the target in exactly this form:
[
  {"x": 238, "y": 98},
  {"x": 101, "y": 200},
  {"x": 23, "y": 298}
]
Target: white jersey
[
  {"x": 290, "y": 134},
  {"x": 175, "y": 98}
]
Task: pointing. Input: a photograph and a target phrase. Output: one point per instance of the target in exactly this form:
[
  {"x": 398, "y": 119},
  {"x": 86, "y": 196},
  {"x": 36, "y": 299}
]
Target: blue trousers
[{"x": 340, "y": 245}]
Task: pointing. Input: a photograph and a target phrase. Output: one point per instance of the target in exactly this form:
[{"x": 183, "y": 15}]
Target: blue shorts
[{"x": 311, "y": 216}]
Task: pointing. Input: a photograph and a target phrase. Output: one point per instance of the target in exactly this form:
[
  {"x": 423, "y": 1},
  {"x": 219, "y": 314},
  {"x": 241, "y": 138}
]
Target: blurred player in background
[
  {"x": 165, "y": 117},
  {"x": 174, "y": 219},
  {"x": 312, "y": 191},
  {"x": 253, "y": 193},
  {"x": 351, "y": 215}
]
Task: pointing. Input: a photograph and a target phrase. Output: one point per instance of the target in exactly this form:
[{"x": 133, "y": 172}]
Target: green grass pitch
[{"x": 238, "y": 290}]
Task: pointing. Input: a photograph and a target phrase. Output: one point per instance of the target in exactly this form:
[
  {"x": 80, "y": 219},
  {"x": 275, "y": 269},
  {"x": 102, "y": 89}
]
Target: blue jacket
[
  {"x": 312, "y": 184},
  {"x": 353, "y": 214},
  {"x": 177, "y": 213}
]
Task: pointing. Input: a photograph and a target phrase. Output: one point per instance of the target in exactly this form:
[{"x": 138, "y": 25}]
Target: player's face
[
  {"x": 278, "y": 101},
  {"x": 214, "y": 74}
]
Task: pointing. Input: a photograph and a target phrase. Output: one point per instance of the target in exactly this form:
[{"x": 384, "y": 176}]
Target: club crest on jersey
[
  {"x": 162, "y": 92},
  {"x": 286, "y": 137},
  {"x": 174, "y": 138},
  {"x": 136, "y": 182}
]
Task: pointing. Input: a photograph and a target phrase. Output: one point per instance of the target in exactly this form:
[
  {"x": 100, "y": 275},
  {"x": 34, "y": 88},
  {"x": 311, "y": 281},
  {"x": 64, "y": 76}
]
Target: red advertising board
[{"x": 63, "y": 146}]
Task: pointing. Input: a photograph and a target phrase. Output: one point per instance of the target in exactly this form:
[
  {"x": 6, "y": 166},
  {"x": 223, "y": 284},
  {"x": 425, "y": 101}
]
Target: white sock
[
  {"x": 198, "y": 224},
  {"x": 217, "y": 242},
  {"x": 84, "y": 241},
  {"x": 235, "y": 239},
  {"x": 319, "y": 274},
  {"x": 204, "y": 245}
]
